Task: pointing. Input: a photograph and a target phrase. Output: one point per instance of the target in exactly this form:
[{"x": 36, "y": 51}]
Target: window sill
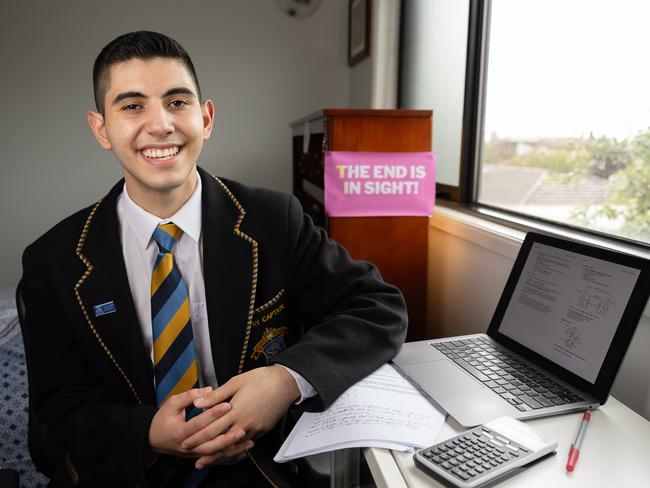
[
  {"x": 503, "y": 234},
  {"x": 514, "y": 228}
]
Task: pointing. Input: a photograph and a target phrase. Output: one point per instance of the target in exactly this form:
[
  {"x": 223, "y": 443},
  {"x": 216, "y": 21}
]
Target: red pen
[{"x": 574, "y": 452}]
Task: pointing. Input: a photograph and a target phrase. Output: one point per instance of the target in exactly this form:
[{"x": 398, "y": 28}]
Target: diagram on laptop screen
[{"x": 567, "y": 307}]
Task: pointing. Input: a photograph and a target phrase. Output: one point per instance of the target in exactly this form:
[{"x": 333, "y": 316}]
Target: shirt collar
[{"x": 143, "y": 223}]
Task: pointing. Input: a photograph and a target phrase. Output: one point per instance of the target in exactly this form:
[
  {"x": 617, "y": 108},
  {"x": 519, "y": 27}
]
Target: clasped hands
[{"x": 235, "y": 414}]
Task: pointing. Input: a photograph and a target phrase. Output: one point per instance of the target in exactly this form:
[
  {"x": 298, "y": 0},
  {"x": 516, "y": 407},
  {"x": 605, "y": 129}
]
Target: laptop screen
[{"x": 567, "y": 306}]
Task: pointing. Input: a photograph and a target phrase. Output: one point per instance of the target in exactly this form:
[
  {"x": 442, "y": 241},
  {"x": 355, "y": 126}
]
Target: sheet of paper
[{"x": 381, "y": 410}]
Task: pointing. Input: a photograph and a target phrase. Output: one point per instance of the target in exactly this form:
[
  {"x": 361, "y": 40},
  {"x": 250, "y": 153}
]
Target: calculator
[{"x": 484, "y": 454}]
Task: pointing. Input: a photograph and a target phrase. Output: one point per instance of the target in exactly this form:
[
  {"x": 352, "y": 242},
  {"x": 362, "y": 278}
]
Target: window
[{"x": 565, "y": 131}]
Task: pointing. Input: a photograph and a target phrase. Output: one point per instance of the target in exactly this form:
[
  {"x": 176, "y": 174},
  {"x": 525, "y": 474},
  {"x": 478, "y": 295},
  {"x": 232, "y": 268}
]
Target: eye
[
  {"x": 178, "y": 103},
  {"x": 131, "y": 107}
]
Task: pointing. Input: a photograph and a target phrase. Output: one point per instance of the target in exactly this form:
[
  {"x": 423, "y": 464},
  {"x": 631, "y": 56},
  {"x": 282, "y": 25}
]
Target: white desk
[{"x": 615, "y": 453}]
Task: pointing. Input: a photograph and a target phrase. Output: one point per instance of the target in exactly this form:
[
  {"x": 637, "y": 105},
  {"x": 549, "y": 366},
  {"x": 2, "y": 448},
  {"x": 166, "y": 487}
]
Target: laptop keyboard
[{"x": 518, "y": 383}]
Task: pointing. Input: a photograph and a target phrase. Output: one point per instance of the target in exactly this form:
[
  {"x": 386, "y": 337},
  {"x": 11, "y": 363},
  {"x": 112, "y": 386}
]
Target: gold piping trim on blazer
[
  {"x": 270, "y": 303},
  {"x": 89, "y": 268},
  {"x": 72, "y": 471},
  {"x": 261, "y": 470},
  {"x": 253, "y": 243}
]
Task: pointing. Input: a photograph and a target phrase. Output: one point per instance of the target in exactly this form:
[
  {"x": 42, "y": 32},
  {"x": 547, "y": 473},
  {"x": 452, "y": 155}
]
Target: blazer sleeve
[
  {"x": 80, "y": 414},
  {"x": 353, "y": 322}
]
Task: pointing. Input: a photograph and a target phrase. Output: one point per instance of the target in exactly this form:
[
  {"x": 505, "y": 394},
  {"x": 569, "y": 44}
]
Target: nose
[{"x": 159, "y": 122}]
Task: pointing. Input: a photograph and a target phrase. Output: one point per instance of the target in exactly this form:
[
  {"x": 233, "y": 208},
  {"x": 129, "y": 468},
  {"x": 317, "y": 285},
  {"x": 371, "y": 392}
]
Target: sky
[{"x": 568, "y": 68}]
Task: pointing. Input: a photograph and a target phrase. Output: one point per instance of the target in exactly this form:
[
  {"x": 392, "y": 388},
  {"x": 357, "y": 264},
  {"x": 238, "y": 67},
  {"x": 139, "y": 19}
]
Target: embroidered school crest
[{"x": 271, "y": 343}]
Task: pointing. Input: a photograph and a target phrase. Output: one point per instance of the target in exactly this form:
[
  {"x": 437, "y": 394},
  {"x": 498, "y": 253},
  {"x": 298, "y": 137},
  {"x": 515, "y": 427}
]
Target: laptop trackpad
[{"x": 441, "y": 378}]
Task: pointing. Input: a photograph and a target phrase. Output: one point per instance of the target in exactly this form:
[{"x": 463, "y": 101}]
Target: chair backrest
[{"x": 45, "y": 453}]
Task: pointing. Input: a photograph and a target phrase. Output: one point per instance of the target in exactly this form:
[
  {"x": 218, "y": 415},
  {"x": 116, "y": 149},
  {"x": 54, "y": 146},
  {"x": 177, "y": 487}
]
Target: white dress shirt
[{"x": 136, "y": 227}]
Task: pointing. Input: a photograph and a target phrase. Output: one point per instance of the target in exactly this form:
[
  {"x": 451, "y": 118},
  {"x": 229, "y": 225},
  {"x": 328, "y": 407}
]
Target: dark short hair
[{"x": 136, "y": 45}]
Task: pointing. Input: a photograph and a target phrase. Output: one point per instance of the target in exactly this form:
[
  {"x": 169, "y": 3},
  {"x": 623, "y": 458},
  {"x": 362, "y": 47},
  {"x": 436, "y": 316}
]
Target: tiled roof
[{"x": 502, "y": 184}]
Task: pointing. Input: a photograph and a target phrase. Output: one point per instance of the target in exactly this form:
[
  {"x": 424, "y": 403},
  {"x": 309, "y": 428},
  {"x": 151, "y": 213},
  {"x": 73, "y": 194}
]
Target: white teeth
[{"x": 161, "y": 153}]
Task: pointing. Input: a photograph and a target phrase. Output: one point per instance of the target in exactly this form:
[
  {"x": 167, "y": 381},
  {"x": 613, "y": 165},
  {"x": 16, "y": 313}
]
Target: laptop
[{"x": 555, "y": 343}]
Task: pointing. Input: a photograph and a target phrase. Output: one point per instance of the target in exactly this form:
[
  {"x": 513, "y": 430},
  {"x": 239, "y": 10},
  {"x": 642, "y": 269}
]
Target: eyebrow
[{"x": 135, "y": 94}]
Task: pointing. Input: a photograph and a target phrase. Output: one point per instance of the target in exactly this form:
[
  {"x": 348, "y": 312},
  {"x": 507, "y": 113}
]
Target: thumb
[
  {"x": 178, "y": 403},
  {"x": 221, "y": 394}
]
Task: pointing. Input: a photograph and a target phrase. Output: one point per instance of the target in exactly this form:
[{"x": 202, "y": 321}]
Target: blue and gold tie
[{"x": 174, "y": 355}]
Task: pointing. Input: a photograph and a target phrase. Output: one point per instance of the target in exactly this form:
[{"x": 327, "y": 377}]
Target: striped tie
[{"x": 174, "y": 355}]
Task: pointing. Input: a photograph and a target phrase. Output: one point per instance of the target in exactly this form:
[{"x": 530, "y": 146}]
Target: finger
[
  {"x": 230, "y": 452},
  {"x": 185, "y": 399},
  {"x": 221, "y": 394},
  {"x": 218, "y": 443},
  {"x": 206, "y": 417},
  {"x": 209, "y": 432}
]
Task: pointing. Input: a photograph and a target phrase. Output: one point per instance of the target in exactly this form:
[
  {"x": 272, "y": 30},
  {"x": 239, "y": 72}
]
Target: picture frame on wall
[{"x": 358, "y": 31}]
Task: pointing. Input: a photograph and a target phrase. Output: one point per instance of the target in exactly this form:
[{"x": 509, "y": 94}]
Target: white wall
[
  {"x": 262, "y": 68},
  {"x": 469, "y": 262},
  {"x": 373, "y": 82}
]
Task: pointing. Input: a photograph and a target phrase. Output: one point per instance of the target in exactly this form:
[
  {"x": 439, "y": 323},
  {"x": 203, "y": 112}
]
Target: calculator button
[
  {"x": 460, "y": 474},
  {"x": 436, "y": 459},
  {"x": 446, "y": 465},
  {"x": 479, "y": 469},
  {"x": 453, "y": 462},
  {"x": 427, "y": 454},
  {"x": 444, "y": 456},
  {"x": 472, "y": 473},
  {"x": 461, "y": 459}
]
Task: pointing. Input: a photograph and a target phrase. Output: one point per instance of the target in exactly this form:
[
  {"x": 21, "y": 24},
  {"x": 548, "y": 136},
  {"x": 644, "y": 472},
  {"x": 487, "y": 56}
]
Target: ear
[
  {"x": 97, "y": 126},
  {"x": 207, "y": 111}
]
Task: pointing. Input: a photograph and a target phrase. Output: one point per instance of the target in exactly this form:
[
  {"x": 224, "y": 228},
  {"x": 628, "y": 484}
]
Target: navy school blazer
[{"x": 277, "y": 291}]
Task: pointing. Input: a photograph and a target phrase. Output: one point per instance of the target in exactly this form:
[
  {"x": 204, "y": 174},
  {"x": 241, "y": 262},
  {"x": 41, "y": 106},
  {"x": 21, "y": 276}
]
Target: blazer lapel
[
  {"x": 118, "y": 333},
  {"x": 230, "y": 273}
]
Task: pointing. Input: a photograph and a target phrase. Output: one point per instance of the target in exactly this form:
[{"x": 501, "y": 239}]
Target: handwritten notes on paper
[{"x": 381, "y": 410}]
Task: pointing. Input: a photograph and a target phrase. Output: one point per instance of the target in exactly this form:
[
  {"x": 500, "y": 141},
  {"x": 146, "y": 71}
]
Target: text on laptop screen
[{"x": 567, "y": 306}]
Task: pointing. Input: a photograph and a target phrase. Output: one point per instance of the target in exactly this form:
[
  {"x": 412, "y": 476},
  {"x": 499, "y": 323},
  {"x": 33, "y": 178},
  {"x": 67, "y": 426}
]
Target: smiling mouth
[{"x": 161, "y": 154}]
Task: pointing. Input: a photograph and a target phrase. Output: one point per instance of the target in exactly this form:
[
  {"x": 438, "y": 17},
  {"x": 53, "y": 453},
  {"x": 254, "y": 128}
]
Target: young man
[{"x": 178, "y": 280}]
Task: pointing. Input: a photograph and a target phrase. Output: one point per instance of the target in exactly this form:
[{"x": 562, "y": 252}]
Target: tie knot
[{"x": 166, "y": 236}]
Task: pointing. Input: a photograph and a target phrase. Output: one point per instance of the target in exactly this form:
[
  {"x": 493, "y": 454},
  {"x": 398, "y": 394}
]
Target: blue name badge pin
[{"x": 104, "y": 308}]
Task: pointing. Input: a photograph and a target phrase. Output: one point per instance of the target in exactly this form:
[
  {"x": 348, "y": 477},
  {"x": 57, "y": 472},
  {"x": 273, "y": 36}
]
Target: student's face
[{"x": 155, "y": 124}]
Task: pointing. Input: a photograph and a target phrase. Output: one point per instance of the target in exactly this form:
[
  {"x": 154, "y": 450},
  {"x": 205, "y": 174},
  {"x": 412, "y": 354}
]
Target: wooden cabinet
[{"x": 396, "y": 245}]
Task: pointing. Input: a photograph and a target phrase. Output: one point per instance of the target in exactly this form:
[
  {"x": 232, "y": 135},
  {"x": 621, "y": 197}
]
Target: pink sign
[{"x": 373, "y": 184}]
